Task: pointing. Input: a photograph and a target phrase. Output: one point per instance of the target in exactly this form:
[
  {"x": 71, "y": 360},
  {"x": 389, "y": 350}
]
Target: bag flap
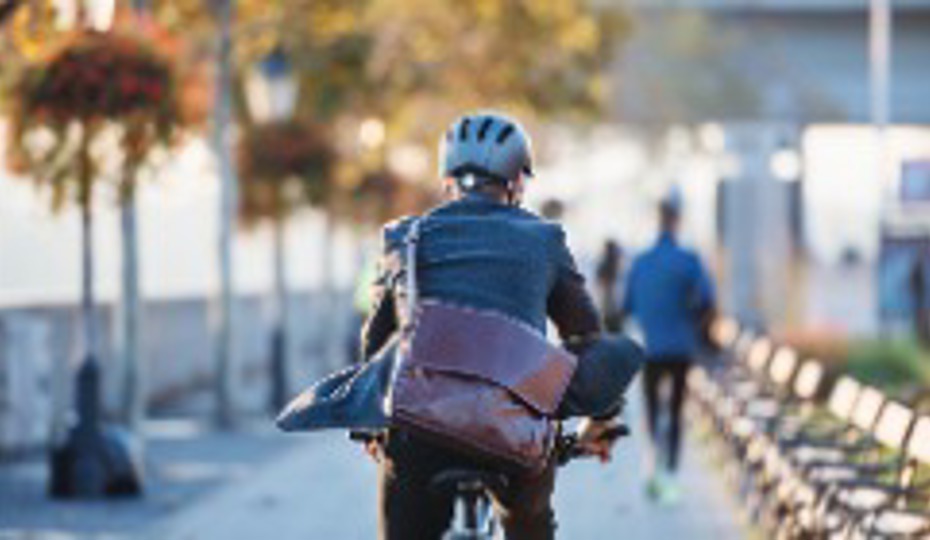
[
  {"x": 352, "y": 398},
  {"x": 492, "y": 347}
]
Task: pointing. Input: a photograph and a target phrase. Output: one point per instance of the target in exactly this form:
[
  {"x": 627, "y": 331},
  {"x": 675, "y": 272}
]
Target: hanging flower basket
[
  {"x": 283, "y": 165},
  {"x": 383, "y": 195},
  {"x": 101, "y": 76},
  {"x": 117, "y": 84}
]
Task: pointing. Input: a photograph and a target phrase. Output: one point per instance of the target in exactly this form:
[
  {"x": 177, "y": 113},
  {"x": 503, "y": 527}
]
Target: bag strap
[{"x": 411, "y": 241}]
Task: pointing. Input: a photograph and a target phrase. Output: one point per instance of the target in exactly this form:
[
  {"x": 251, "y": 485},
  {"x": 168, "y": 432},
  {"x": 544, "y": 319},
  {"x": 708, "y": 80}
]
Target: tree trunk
[
  {"x": 133, "y": 398},
  {"x": 226, "y": 358},
  {"x": 134, "y": 391}
]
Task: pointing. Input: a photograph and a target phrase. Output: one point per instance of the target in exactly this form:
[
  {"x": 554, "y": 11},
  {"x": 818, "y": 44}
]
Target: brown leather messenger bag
[{"x": 476, "y": 381}]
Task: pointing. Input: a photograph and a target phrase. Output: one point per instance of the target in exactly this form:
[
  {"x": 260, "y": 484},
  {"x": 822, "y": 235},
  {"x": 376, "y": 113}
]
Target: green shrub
[{"x": 890, "y": 365}]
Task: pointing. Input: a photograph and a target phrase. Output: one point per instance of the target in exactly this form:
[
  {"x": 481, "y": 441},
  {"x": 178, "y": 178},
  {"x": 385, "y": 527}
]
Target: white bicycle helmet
[{"x": 485, "y": 146}]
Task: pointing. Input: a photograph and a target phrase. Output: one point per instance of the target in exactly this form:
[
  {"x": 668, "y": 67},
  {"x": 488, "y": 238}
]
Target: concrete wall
[{"x": 40, "y": 348}]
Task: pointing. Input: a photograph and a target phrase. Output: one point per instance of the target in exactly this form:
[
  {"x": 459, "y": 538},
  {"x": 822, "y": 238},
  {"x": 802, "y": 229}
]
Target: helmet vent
[
  {"x": 463, "y": 129},
  {"x": 505, "y": 133},
  {"x": 485, "y": 126}
]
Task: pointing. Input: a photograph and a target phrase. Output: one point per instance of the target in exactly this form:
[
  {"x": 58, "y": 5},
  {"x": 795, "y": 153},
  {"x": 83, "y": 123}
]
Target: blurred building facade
[
  {"x": 782, "y": 77},
  {"x": 794, "y": 60}
]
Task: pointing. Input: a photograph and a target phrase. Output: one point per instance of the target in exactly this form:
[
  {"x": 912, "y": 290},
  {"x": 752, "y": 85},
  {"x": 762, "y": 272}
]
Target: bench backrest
[
  {"x": 742, "y": 345},
  {"x": 917, "y": 453},
  {"x": 868, "y": 407},
  {"x": 894, "y": 425},
  {"x": 759, "y": 355},
  {"x": 892, "y": 431},
  {"x": 809, "y": 379},
  {"x": 843, "y": 397},
  {"x": 918, "y": 447},
  {"x": 783, "y": 366},
  {"x": 724, "y": 332}
]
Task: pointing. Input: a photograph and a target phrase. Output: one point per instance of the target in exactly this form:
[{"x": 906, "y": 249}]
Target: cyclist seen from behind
[
  {"x": 480, "y": 250},
  {"x": 670, "y": 295}
]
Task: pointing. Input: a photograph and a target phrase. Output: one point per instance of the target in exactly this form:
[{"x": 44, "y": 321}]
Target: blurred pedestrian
[
  {"x": 608, "y": 278},
  {"x": 552, "y": 209},
  {"x": 918, "y": 291},
  {"x": 669, "y": 295}
]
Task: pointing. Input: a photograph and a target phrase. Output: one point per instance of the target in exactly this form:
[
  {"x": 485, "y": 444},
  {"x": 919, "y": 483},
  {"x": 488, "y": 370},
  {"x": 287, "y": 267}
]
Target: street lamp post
[{"x": 271, "y": 93}]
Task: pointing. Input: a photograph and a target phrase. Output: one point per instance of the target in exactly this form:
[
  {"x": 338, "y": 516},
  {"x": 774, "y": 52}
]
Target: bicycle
[{"x": 473, "y": 517}]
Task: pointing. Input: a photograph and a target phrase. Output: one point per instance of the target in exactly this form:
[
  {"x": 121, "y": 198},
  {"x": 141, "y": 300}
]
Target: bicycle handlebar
[
  {"x": 365, "y": 437},
  {"x": 567, "y": 447}
]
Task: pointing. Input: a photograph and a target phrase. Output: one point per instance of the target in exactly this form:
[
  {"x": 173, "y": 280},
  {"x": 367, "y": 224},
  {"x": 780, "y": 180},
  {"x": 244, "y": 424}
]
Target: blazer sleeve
[
  {"x": 569, "y": 305},
  {"x": 382, "y": 323}
]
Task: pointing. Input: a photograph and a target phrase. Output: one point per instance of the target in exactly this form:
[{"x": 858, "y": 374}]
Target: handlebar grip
[
  {"x": 364, "y": 437},
  {"x": 568, "y": 447},
  {"x": 615, "y": 432}
]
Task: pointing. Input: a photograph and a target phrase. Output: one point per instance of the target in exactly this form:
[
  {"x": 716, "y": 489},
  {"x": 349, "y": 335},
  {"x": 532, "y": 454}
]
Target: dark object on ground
[
  {"x": 95, "y": 460},
  {"x": 94, "y": 463}
]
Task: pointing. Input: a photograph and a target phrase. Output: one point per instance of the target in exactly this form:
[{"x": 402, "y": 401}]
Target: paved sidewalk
[
  {"x": 322, "y": 488},
  {"x": 595, "y": 502},
  {"x": 256, "y": 483},
  {"x": 325, "y": 488},
  {"x": 184, "y": 460}
]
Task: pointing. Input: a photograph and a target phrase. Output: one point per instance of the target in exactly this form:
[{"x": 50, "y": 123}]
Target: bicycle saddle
[{"x": 467, "y": 481}]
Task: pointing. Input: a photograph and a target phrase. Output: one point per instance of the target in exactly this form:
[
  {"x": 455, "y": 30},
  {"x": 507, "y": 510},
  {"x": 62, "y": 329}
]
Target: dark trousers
[
  {"x": 410, "y": 510},
  {"x": 657, "y": 370}
]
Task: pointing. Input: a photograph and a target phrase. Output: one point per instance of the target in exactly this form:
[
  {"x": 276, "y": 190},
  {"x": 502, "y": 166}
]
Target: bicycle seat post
[
  {"x": 471, "y": 519},
  {"x": 466, "y": 508}
]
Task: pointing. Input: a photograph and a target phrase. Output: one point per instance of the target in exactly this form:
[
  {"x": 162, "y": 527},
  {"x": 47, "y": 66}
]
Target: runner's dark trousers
[
  {"x": 410, "y": 510},
  {"x": 657, "y": 369}
]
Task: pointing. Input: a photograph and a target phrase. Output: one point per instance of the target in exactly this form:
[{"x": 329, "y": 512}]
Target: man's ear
[
  {"x": 449, "y": 186},
  {"x": 517, "y": 190}
]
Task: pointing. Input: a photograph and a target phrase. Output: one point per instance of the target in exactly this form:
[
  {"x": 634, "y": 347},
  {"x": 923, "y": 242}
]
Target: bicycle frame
[{"x": 473, "y": 518}]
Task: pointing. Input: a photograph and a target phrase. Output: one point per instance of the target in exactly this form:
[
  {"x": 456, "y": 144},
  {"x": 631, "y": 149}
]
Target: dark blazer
[{"x": 480, "y": 254}]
